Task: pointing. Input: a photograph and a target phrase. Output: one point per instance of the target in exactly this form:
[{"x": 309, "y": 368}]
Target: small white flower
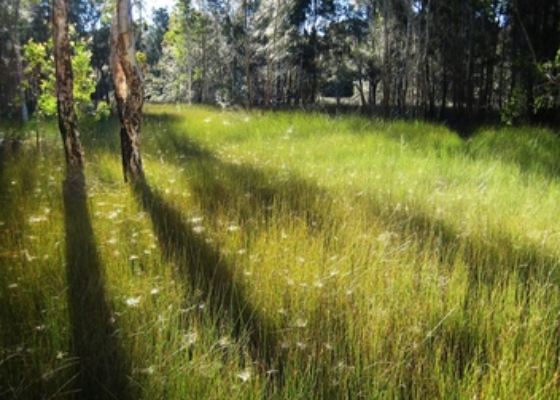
[
  {"x": 154, "y": 291},
  {"x": 133, "y": 301},
  {"x": 36, "y": 220},
  {"x": 198, "y": 229},
  {"x": 233, "y": 228},
  {"x": 149, "y": 371},
  {"x": 245, "y": 375},
  {"x": 300, "y": 323},
  {"x": 190, "y": 338}
]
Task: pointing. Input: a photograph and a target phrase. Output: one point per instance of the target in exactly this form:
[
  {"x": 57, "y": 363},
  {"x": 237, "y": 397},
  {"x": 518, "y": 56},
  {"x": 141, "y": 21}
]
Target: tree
[
  {"x": 129, "y": 90},
  {"x": 156, "y": 33},
  {"x": 65, "y": 88},
  {"x": 41, "y": 78},
  {"x": 12, "y": 93}
]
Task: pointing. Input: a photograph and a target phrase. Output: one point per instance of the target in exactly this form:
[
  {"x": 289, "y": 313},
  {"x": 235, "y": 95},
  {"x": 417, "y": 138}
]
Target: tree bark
[
  {"x": 386, "y": 64},
  {"x": 65, "y": 88},
  {"x": 129, "y": 90},
  {"x": 19, "y": 63}
]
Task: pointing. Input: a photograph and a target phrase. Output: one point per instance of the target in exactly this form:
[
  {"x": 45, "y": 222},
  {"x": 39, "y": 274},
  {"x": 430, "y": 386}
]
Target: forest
[
  {"x": 279, "y": 199},
  {"x": 431, "y": 59}
]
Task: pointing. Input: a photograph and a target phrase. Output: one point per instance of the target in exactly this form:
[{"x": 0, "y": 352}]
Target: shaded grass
[
  {"x": 102, "y": 369},
  {"x": 208, "y": 273}
]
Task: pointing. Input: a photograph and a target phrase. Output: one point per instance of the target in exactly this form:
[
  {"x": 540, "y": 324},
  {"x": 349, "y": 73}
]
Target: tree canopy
[{"x": 421, "y": 58}]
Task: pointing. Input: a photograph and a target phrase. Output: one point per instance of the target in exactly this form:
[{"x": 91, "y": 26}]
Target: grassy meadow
[{"x": 281, "y": 256}]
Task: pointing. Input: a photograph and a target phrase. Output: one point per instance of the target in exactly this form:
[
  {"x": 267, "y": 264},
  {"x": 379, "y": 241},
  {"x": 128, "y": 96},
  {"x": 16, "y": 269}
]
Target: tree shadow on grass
[
  {"x": 18, "y": 178},
  {"x": 15, "y": 190},
  {"x": 248, "y": 191},
  {"x": 494, "y": 262},
  {"x": 102, "y": 368},
  {"x": 206, "y": 271},
  {"x": 248, "y": 194}
]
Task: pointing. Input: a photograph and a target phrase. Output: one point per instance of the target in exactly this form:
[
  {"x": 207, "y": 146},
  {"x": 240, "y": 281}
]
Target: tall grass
[{"x": 282, "y": 256}]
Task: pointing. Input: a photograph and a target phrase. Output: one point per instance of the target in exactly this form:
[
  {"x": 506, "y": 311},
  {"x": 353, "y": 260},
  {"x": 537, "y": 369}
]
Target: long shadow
[
  {"x": 494, "y": 262},
  {"x": 207, "y": 271},
  {"x": 18, "y": 178},
  {"x": 244, "y": 191},
  {"x": 102, "y": 370},
  {"x": 22, "y": 186},
  {"x": 248, "y": 193},
  {"x": 491, "y": 260}
]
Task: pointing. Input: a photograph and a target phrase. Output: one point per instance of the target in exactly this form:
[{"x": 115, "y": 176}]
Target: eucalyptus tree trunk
[
  {"x": 19, "y": 64},
  {"x": 65, "y": 88},
  {"x": 386, "y": 62},
  {"x": 129, "y": 90}
]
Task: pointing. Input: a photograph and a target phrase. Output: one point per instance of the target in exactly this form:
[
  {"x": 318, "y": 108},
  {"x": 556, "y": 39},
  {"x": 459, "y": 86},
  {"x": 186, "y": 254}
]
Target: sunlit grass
[{"x": 283, "y": 256}]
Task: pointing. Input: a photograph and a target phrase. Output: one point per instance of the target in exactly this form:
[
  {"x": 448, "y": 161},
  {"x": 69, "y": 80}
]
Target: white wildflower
[
  {"x": 190, "y": 338},
  {"x": 198, "y": 229},
  {"x": 245, "y": 375},
  {"x": 300, "y": 323},
  {"x": 233, "y": 228},
  {"x": 224, "y": 341},
  {"x": 133, "y": 301},
  {"x": 36, "y": 220}
]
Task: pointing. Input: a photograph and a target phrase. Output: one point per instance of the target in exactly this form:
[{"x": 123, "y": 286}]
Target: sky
[{"x": 159, "y": 3}]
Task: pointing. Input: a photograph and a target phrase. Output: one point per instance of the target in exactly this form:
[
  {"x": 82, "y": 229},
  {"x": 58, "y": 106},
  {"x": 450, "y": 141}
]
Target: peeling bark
[
  {"x": 129, "y": 90},
  {"x": 65, "y": 88}
]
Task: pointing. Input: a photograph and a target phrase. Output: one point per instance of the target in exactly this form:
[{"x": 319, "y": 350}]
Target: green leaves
[{"x": 40, "y": 75}]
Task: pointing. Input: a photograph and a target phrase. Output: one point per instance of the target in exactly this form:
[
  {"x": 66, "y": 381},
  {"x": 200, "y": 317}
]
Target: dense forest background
[{"x": 431, "y": 59}]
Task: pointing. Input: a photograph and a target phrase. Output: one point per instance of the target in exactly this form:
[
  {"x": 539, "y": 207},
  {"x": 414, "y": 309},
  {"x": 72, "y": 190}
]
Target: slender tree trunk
[
  {"x": 129, "y": 90},
  {"x": 386, "y": 71},
  {"x": 248, "y": 57},
  {"x": 19, "y": 66},
  {"x": 65, "y": 88}
]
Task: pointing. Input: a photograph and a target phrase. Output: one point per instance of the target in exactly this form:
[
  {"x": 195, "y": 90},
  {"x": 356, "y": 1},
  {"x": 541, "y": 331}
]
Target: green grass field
[{"x": 282, "y": 256}]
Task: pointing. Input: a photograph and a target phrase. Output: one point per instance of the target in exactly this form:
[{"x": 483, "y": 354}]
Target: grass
[{"x": 282, "y": 256}]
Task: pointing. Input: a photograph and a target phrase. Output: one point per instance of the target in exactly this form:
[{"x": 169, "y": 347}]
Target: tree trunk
[
  {"x": 65, "y": 87},
  {"x": 129, "y": 90},
  {"x": 386, "y": 66},
  {"x": 19, "y": 64}
]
